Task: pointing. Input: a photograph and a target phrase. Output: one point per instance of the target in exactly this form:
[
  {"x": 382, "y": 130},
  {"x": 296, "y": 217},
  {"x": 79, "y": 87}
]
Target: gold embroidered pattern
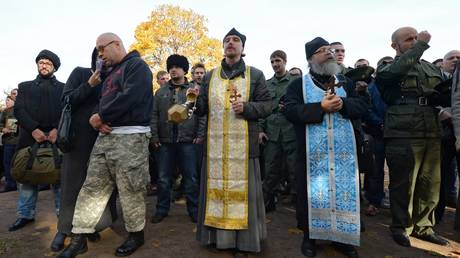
[{"x": 227, "y": 155}]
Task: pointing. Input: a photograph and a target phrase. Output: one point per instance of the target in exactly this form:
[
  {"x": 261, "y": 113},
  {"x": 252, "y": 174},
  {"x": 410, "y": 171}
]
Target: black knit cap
[
  {"x": 177, "y": 60},
  {"x": 315, "y": 44},
  {"x": 46, "y": 54},
  {"x": 234, "y": 32}
]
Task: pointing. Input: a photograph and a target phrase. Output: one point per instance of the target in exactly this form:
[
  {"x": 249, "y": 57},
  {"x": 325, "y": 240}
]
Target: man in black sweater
[{"x": 120, "y": 154}]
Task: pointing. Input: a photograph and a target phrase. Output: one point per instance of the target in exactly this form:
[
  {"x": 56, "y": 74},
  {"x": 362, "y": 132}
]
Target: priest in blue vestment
[{"x": 321, "y": 106}]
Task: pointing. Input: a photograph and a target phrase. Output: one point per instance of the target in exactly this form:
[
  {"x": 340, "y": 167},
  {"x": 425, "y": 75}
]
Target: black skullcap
[
  {"x": 46, "y": 54},
  {"x": 315, "y": 44},
  {"x": 233, "y": 31},
  {"x": 177, "y": 60}
]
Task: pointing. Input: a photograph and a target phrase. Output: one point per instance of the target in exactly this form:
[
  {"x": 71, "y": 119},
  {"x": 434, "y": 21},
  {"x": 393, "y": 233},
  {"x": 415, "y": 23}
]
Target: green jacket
[
  {"x": 10, "y": 138},
  {"x": 407, "y": 79},
  {"x": 277, "y": 124}
]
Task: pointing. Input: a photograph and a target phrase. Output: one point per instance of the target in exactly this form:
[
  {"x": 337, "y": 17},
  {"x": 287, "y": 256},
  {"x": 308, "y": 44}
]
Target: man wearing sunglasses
[{"x": 120, "y": 154}]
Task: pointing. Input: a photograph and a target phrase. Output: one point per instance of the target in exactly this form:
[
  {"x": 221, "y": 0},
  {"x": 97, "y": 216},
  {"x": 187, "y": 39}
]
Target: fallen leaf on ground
[
  {"x": 267, "y": 220},
  {"x": 36, "y": 234},
  {"x": 50, "y": 254},
  {"x": 180, "y": 201},
  {"x": 295, "y": 231},
  {"x": 156, "y": 243},
  {"x": 194, "y": 230}
]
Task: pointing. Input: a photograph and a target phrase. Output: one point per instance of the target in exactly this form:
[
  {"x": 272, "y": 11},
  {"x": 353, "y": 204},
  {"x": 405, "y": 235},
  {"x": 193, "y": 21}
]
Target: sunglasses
[{"x": 100, "y": 49}]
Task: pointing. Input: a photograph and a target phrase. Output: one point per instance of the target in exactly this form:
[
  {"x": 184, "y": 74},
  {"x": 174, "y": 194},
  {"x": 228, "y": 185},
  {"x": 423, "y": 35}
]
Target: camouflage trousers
[{"x": 119, "y": 160}]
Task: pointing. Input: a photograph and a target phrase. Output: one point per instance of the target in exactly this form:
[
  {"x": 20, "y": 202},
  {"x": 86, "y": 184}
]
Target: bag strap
[
  {"x": 56, "y": 156},
  {"x": 33, "y": 154},
  {"x": 67, "y": 105}
]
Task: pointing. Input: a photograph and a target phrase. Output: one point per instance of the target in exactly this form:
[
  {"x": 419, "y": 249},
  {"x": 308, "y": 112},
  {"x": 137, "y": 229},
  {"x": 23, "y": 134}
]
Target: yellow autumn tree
[{"x": 173, "y": 30}]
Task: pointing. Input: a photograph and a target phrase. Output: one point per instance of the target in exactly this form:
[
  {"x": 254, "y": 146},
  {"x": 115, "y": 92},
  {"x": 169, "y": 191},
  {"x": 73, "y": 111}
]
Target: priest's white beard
[{"x": 328, "y": 68}]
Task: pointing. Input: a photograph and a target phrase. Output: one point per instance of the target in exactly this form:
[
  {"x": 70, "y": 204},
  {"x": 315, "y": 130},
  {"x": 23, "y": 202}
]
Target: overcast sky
[{"x": 70, "y": 28}]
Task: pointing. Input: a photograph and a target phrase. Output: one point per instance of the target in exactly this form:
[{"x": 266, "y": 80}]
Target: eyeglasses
[
  {"x": 324, "y": 50},
  {"x": 100, "y": 49},
  {"x": 45, "y": 63}
]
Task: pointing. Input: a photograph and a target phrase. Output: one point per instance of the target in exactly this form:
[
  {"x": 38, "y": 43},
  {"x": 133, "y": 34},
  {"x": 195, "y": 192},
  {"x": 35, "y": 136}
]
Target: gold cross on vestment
[{"x": 234, "y": 94}]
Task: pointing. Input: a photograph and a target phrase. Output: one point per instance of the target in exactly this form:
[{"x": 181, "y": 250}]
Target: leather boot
[
  {"x": 78, "y": 245},
  {"x": 308, "y": 247},
  {"x": 58, "y": 242},
  {"x": 134, "y": 241},
  {"x": 94, "y": 237},
  {"x": 20, "y": 223}
]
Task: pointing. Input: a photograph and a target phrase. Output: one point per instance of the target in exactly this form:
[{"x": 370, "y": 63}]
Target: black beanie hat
[
  {"x": 46, "y": 54},
  {"x": 233, "y": 31},
  {"x": 315, "y": 44},
  {"x": 177, "y": 60}
]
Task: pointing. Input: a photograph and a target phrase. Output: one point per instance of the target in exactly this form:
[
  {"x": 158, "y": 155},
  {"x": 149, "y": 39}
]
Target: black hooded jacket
[{"x": 127, "y": 97}]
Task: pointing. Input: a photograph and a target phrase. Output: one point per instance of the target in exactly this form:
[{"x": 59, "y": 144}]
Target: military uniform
[
  {"x": 112, "y": 164},
  {"x": 412, "y": 140},
  {"x": 280, "y": 148}
]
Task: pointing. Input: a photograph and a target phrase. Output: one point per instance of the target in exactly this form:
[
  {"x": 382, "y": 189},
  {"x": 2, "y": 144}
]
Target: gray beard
[{"x": 329, "y": 68}]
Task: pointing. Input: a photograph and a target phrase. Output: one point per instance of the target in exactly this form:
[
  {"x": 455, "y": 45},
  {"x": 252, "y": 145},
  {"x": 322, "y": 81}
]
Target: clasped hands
[
  {"x": 40, "y": 136},
  {"x": 331, "y": 103},
  {"x": 96, "y": 122}
]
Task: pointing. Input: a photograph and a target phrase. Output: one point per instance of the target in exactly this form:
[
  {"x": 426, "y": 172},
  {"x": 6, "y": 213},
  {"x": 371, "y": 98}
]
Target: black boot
[
  {"x": 58, "y": 242},
  {"x": 20, "y": 223},
  {"x": 134, "y": 241},
  {"x": 308, "y": 247},
  {"x": 94, "y": 237},
  {"x": 77, "y": 246},
  {"x": 348, "y": 250}
]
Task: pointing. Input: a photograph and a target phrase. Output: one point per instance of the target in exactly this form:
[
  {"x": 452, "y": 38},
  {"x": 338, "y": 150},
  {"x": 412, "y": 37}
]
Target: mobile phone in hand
[{"x": 99, "y": 64}]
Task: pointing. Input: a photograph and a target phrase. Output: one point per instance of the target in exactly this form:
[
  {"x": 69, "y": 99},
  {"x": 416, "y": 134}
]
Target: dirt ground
[{"x": 175, "y": 236}]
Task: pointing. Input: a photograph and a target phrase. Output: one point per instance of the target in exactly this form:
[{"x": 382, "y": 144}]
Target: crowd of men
[{"x": 243, "y": 143}]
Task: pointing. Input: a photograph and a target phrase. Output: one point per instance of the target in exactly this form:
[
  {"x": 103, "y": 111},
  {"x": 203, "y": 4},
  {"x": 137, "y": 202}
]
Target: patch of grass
[{"x": 7, "y": 244}]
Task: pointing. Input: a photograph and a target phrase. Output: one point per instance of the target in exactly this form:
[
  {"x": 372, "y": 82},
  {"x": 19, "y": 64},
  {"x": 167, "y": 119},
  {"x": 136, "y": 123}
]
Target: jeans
[
  {"x": 28, "y": 195},
  {"x": 184, "y": 155},
  {"x": 8, "y": 152},
  {"x": 375, "y": 180}
]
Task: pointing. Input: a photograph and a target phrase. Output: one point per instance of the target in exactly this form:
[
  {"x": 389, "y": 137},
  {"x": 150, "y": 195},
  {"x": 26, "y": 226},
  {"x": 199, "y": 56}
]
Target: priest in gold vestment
[{"x": 234, "y": 96}]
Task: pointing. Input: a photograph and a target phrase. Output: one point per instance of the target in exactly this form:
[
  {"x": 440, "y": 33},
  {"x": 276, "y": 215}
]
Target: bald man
[
  {"x": 120, "y": 154},
  {"x": 412, "y": 136},
  {"x": 448, "y": 192},
  {"x": 450, "y": 61}
]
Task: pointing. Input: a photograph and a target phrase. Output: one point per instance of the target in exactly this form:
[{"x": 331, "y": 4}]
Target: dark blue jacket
[{"x": 375, "y": 116}]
